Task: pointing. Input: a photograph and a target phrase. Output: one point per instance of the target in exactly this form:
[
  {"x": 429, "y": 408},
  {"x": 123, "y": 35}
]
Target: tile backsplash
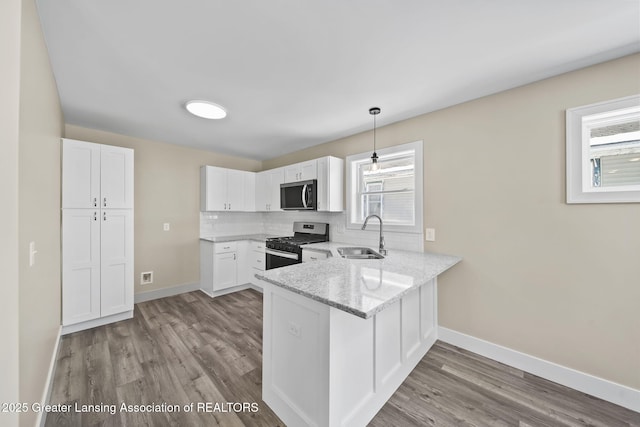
[{"x": 281, "y": 224}]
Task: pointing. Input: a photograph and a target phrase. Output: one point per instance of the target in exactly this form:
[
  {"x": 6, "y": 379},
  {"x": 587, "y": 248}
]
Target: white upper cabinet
[
  {"x": 268, "y": 189},
  {"x": 223, "y": 189},
  {"x": 96, "y": 176},
  {"x": 250, "y": 192},
  {"x": 116, "y": 177},
  {"x": 276, "y": 178},
  {"x": 80, "y": 174},
  {"x": 213, "y": 188},
  {"x": 301, "y": 171},
  {"x": 261, "y": 191},
  {"x": 235, "y": 190},
  {"x": 330, "y": 184}
]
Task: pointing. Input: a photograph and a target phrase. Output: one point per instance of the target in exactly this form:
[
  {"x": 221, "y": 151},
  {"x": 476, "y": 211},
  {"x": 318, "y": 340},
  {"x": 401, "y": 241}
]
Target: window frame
[
  {"x": 578, "y": 165},
  {"x": 352, "y": 191}
]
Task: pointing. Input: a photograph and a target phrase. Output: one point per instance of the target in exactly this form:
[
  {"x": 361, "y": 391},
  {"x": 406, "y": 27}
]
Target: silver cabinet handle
[
  {"x": 105, "y": 202},
  {"x": 229, "y": 206},
  {"x": 313, "y": 258},
  {"x": 234, "y": 256},
  {"x": 95, "y": 216},
  {"x": 95, "y": 202},
  {"x": 104, "y": 216}
]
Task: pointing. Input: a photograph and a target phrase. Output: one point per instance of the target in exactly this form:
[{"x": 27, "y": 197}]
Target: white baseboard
[
  {"x": 586, "y": 383},
  {"x": 165, "y": 292},
  {"x": 100, "y": 321},
  {"x": 48, "y": 386}
]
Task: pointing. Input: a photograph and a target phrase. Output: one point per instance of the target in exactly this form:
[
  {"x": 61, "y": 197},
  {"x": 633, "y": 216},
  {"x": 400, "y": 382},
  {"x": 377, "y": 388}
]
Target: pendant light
[{"x": 374, "y": 111}]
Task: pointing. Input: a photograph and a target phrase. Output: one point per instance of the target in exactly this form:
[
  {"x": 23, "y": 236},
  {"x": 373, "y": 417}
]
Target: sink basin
[{"x": 359, "y": 253}]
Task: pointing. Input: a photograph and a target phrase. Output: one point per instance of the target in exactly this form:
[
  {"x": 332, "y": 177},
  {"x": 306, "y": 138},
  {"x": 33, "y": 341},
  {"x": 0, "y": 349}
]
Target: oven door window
[{"x": 276, "y": 261}]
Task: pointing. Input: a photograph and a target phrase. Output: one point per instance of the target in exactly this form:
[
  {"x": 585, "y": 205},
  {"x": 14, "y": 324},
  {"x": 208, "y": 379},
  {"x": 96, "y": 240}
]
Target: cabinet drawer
[
  {"x": 308, "y": 256},
  {"x": 257, "y": 246},
  {"x": 257, "y": 260},
  {"x": 220, "y": 248}
]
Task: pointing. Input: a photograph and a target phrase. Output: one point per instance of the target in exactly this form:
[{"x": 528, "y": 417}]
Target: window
[
  {"x": 603, "y": 152},
  {"x": 393, "y": 191}
]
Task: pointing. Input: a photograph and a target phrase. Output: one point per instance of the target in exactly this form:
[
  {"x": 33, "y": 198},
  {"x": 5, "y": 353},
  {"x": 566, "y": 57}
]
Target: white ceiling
[{"x": 296, "y": 73}]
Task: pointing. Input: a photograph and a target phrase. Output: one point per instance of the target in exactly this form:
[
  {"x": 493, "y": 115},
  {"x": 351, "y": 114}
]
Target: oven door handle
[{"x": 282, "y": 254}]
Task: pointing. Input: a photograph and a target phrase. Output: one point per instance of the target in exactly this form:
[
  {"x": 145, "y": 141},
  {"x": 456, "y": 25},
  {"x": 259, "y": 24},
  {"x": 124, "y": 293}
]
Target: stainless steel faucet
[{"x": 382, "y": 250}]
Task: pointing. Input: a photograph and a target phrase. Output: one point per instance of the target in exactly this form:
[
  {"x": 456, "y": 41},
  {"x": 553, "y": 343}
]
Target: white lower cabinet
[
  {"x": 257, "y": 262},
  {"x": 80, "y": 265},
  {"x": 309, "y": 255},
  {"x": 229, "y": 264},
  {"x": 225, "y": 273},
  {"x": 218, "y": 267},
  {"x": 323, "y": 366},
  {"x": 116, "y": 261},
  {"x": 97, "y": 266}
]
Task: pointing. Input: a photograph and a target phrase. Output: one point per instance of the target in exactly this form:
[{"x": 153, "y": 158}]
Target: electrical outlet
[
  {"x": 146, "y": 278},
  {"x": 430, "y": 234},
  {"x": 166, "y": 226}
]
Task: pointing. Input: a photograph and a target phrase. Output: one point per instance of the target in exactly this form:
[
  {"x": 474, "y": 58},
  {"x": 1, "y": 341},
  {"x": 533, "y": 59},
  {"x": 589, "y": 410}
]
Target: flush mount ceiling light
[
  {"x": 206, "y": 109},
  {"x": 374, "y": 111}
]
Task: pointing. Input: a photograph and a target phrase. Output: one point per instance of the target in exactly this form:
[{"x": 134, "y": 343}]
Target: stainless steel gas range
[{"x": 282, "y": 251}]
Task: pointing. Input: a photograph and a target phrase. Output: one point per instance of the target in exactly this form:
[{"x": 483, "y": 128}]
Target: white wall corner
[
  {"x": 607, "y": 390},
  {"x": 48, "y": 386}
]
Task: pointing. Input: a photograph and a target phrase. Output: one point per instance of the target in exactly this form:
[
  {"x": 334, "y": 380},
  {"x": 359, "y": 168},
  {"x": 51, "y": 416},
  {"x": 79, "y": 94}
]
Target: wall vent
[{"x": 146, "y": 278}]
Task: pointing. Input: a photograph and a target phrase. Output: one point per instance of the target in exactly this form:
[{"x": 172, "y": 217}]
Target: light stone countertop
[
  {"x": 236, "y": 238},
  {"x": 360, "y": 287}
]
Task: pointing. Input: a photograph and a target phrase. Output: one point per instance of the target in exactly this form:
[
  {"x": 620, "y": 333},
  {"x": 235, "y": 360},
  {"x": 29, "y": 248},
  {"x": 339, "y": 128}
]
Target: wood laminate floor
[{"x": 193, "y": 349}]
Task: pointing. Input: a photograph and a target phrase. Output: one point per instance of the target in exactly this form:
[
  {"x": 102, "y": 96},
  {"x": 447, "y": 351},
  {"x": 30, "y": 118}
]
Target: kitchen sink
[{"x": 359, "y": 253}]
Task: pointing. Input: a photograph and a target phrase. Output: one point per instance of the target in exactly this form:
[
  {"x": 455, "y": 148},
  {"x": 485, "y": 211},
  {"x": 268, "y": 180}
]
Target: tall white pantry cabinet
[{"x": 97, "y": 234}]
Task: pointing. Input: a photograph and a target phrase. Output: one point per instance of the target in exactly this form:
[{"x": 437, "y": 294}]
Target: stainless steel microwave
[{"x": 299, "y": 196}]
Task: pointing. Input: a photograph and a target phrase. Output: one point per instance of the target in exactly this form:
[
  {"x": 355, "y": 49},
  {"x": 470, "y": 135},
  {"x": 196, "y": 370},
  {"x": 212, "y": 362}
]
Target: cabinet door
[
  {"x": 330, "y": 184},
  {"x": 301, "y": 171},
  {"x": 224, "y": 271},
  {"x": 235, "y": 190},
  {"x": 263, "y": 193},
  {"x": 80, "y": 265},
  {"x": 80, "y": 174},
  {"x": 292, "y": 173},
  {"x": 242, "y": 263},
  {"x": 249, "y": 191},
  {"x": 216, "y": 189},
  {"x": 276, "y": 178},
  {"x": 206, "y": 266},
  {"x": 308, "y": 170},
  {"x": 116, "y": 177},
  {"x": 116, "y": 273}
]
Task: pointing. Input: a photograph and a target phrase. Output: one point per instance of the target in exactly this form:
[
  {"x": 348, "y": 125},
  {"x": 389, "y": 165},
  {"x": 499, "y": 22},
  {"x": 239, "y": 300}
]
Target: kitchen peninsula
[{"x": 340, "y": 335}]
